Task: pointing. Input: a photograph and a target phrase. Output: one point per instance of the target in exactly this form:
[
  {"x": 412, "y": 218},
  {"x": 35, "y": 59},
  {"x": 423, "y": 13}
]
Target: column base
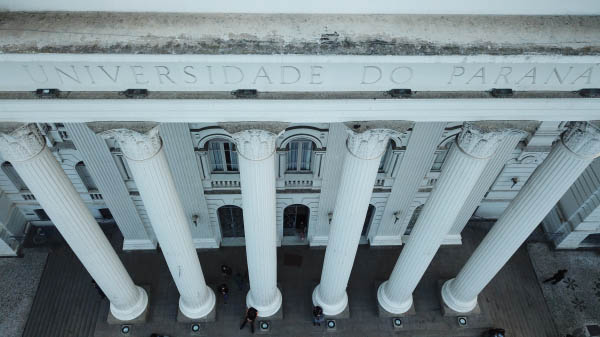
[
  {"x": 198, "y": 314},
  {"x": 391, "y": 306},
  {"x": 382, "y": 313},
  {"x": 268, "y": 310},
  {"x": 329, "y": 309},
  {"x": 452, "y": 306},
  {"x": 137, "y": 314},
  {"x": 211, "y": 317}
]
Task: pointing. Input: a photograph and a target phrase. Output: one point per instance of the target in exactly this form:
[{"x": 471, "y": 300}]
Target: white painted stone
[
  {"x": 148, "y": 163},
  {"x": 361, "y": 162},
  {"x": 336, "y": 149},
  {"x": 179, "y": 150},
  {"x": 297, "y": 111},
  {"x": 25, "y": 148},
  {"x": 579, "y": 145},
  {"x": 103, "y": 169},
  {"x": 415, "y": 164},
  {"x": 312, "y": 73},
  {"x": 256, "y": 156},
  {"x": 507, "y": 7},
  {"x": 490, "y": 173},
  {"x": 465, "y": 163}
]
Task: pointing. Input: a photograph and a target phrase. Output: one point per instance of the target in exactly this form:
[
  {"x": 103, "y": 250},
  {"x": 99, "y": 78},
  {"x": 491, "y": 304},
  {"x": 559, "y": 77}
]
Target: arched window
[
  {"x": 223, "y": 156},
  {"x": 440, "y": 157},
  {"x": 299, "y": 155},
  {"x": 368, "y": 220},
  {"x": 295, "y": 220},
  {"x": 13, "y": 176},
  {"x": 413, "y": 220},
  {"x": 385, "y": 159},
  {"x": 85, "y": 176},
  {"x": 231, "y": 220}
]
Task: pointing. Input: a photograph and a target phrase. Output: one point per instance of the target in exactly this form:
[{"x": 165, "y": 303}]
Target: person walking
[
  {"x": 224, "y": 290},
  {"x": 557, "y": 277},
  {"x": 226, "y": 270},
  {"x": 251, "y": 315},
  {"x": 318, "y": 316}
]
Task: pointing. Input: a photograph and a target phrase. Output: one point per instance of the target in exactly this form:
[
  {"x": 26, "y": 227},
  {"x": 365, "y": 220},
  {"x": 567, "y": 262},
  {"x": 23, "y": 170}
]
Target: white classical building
[{"x": 381, "y": 124}]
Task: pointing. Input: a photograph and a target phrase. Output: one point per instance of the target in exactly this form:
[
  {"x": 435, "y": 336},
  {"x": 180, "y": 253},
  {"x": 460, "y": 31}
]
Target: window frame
[
  {"x": 299, "y": 156},
  {"x": 228, "y": 166}
]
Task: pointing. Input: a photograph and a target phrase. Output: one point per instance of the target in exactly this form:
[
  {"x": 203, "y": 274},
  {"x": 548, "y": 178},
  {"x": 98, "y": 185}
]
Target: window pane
[
  {"x": 234, "y": 160},
  {"x": 227, "y": 150},
  {"x": 306, "y": 155},
  {"x": 439, "y": 160},
  {"x": 292, "y": 157},
  {"x": 216, "y": 156}
]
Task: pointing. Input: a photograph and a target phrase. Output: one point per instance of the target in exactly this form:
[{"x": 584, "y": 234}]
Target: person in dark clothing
[
  {"x": 98, "y": 289},
  {"x": 226, "y": 270},
  {"x": 250, "y": 317},
  {"x": 224, "y": 290},
  {"x": 318, "y": 316},
  {"x": 557, "y": 277}
]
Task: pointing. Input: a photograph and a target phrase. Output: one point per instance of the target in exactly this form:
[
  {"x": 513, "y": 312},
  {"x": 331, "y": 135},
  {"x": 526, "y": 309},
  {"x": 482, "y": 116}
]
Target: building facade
[{"x": 207, "y": 130}]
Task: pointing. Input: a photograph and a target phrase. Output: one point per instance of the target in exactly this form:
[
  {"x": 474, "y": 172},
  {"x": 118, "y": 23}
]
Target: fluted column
[
  {"x": 491, "y": 172},
  {"x": 361, "y": 162},
  {"x": 569, "y": 157},
  {"x": 26, "y": 149},
  {"x": 150, "y": 169},
  {"x": 465, "y": 163},
  {"x": 256, "y": 150},
  {"x": 415, "y": 164}
]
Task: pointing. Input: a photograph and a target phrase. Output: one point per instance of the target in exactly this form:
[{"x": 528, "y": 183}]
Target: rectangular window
[
  {"x": 299, "y": 155},
  {"x": 223, "y": 156},
  {"x": 440, "y": 156}
]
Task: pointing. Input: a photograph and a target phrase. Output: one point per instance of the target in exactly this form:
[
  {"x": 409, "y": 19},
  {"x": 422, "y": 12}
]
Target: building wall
[{"x": 306, "y": 188}]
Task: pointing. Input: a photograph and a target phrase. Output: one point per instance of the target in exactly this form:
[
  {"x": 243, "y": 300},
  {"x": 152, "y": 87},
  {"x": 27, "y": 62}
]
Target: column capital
[
  {"x": 22, "y": 143},
  {"x": 480, "y": 143},
  {"x": 583, "y": 139},
  {"x": 255, "y": 144},
  {"x": 370, "y": 144},
  {"x": 136, "y": 145}
]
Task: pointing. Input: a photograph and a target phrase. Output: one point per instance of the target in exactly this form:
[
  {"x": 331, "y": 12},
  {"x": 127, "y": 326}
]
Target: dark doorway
[
  {"x": 231, "y": 220},
  {"x": 295, "y": 221}
]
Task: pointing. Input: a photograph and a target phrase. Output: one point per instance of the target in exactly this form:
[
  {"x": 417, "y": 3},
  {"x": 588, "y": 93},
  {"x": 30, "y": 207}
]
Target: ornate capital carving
[
  {"x": 136, "y": 145},
  {"x": 370, "y": 144},
  {"x": 479, "y": 143},
  {"x": 255, "y": 144},
  {"x": 21, "y": 144},
  {"x": 583, "y": 139}
]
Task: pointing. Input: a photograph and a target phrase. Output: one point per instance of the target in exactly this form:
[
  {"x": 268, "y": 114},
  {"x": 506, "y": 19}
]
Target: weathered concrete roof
[{"x": 297, "y": 34}]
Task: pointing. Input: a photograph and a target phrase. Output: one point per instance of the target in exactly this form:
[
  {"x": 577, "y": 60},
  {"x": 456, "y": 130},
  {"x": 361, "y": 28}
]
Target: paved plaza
[{"x": 67, "y": 305}]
